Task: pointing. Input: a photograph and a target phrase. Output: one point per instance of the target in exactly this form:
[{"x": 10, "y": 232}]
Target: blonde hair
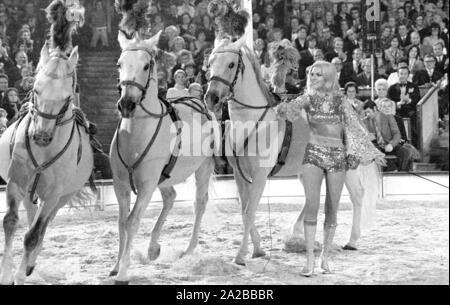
[
  {"x": 381, "y": 82},
  {"x": 329, "y": 74}
]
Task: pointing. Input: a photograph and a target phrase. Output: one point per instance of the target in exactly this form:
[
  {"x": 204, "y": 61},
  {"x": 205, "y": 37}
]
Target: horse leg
[
  {"x": 35, "y": 236},
  {"x": 123, "y": 199},
  {"x": 202, "y": 177},
  {"x": 254, "y": 200},
  {"x": 356, "y": 191},
  {"x": 253, "y": 193},
  {"x": 31, "y": 210},
  {"x": 34, "y": 254},
  {"x": 145, "y": 192},
  {"x": 168, "y": 195},
  {"x": 13, "y": 198}
]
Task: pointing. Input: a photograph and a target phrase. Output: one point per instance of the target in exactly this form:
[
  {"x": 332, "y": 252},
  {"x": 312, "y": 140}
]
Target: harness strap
[
  {"x": 40, "y": 168},
  {"x": 136, "y": 164},
  {"x": 193, "y": 105},
  {"x": 284, "y": 150},
  {"x": 238, "y": 164}
]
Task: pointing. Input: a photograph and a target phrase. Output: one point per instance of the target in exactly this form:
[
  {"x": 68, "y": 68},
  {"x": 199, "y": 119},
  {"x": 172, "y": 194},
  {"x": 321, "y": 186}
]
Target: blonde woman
[{"x": 338, "y": 142}]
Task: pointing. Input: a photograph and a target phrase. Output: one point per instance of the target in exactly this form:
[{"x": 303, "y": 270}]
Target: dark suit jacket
[
  {"x": 306, "y": 60},
  {"x": 422, "y": 77},
  {"x": 348, "y": 68},
  {"x": 440, "y": 65},
  {"x": 407, "y": 110},
  {"x": 330, "y": 55},
  {"x": 299, "y": 47},
  {"x": 362, "y": 80},
  {"x": 388, "y": 128},
  {"x": 403, "y": 44},
  {"x": 349, "y": 46},
  {"x": 345, "y": 77}
]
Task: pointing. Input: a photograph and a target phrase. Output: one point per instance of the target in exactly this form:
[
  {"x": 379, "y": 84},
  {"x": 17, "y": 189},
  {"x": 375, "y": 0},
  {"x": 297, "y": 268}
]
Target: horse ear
[
  {"x": 73, "y": 58},
  {"x": 152, "y": 43},
  {"x": 123, "y": 40},
  {"x": 45, "y": 54},
  {"x": 240, "y": 42}
]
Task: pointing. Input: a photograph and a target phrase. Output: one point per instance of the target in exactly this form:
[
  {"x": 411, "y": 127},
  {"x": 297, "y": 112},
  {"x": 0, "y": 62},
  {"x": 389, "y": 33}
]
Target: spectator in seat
[
  {"x": 351, "y": 91},
  {"x": 190, "y": 70},
  {"x": 343, "y": 75},
  {"x": 386, "y": 136},
  {"x": 406, "y": 95},
  {"x": 441, "y": 59},
  {"x": 403, "y": 36},
  {"x": 3, "y": 121},
  {"x": 434, "y": 37},
  {"x": 292, "y": 31},
  {"x": 25, "y": 86},
  {"x": 415, "y": 63},
  {"x": 261, "y": 51},
  {"x": 393, "y": 54},
  {"x": 338, "y": 50},
  {"x": 196, "y": 90},
  {"x": 307, "y": 56},
  {"x": 300, "y": 42},
  {"x": 388, "y": 106},
  {"x": 430, "y": 75},
  {"x": 364, "y": 79},
  {"x": 179, "y": 90},
  {"x": 326, "y": 42},
  {"x": 14, "y": 72},
  {"x": 354, "y": 67},
  {"x": 351, "y": 42},
  {"x": 11, "y": 104}
]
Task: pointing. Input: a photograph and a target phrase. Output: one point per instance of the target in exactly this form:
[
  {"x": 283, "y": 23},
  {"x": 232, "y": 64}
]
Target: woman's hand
[
  {"x": 282, "y": 111},
  {"x": 381, "y": 161}
]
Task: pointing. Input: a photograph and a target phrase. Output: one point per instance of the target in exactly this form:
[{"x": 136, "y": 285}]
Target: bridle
[
  {"x": 240, "y": 70},
  {"x": 35, "y": 112},
  {"x": 142, "y": 88}
]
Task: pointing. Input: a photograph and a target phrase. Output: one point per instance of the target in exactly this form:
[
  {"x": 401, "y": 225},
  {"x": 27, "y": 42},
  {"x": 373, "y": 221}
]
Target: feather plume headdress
[
  {"x": 133, "y": 16},
  {"x": 231, "y": 22}
]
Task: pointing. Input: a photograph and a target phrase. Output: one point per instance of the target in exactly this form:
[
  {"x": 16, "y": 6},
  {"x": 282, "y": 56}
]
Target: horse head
[
  {"x": 53, "y": 92},
  {"x": 226, "y": 65},
  {"x": 137, "y": 70}
]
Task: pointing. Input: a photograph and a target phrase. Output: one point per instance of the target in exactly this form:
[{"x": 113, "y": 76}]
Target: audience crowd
[{"x": 412, "y": 49}]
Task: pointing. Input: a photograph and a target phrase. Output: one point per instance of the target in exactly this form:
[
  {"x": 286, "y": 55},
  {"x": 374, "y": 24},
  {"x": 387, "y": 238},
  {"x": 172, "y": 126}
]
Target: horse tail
[{"x": 85, "y": 198}]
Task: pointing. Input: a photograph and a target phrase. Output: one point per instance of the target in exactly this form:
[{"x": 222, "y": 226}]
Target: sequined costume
[{"x": 333, "y": 110}]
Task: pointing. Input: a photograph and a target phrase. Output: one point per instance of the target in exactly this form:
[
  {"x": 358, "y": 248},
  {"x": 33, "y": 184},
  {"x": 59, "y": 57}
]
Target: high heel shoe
[{"x": 307, "y": 272}]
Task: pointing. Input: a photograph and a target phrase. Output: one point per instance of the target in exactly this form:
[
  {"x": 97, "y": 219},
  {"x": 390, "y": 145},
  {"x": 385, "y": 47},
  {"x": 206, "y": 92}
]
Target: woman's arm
[{"x": 292, "y": 110}]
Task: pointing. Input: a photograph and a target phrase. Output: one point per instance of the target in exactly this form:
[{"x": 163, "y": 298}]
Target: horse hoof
[
  {"x": 240, "y": 262},
  {"x": 121, "y": 283},
  {"x": 113, "y": 273},
  {"x": 259, "y": 253},
  {"x": 153, "y": 253},
  {"x": 30, "y": 270}
]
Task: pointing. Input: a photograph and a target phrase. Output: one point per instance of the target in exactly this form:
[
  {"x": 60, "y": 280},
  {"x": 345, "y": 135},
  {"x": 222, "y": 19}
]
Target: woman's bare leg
[{"x": 312, "y": 180}]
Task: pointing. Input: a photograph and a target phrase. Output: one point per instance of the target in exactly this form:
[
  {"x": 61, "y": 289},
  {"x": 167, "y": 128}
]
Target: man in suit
[
  {"x": 326, "y": 43},
  {"x": 364, "y": 78},
  {"x": 406, "y": 95},
  {"x": 353, "y": 67},
  {"x": 386, "y": 136},
  {"x": 351, "y": 41},
  {"x": 441, "y": 59},
  {"x": 430, "y": 75},
  {"x": 403, "y": 36},
  {"x": 343, "y": 76}
]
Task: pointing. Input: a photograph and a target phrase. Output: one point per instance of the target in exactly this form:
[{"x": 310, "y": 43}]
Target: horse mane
[
  {"x": 259, "y": 79},
  {"x": 61, "y": 29}
]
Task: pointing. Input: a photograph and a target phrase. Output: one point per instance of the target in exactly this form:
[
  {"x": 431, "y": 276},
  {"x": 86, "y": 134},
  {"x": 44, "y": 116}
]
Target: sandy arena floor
[{"x": 408, "y": 245}]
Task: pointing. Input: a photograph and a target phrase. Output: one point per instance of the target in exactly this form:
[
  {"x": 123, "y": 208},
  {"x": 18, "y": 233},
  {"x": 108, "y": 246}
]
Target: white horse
[
  {"x": 46, "y": 155},
  {"x": 142, "y": 148},
  {"x": 236, "y": 79}
]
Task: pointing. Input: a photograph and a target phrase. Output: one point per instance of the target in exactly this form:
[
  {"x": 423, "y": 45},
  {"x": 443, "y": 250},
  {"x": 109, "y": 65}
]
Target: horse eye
[
  {"x": 147, "y": 66},
  {"x": 231, "y": 66},
  {"x": 118, "y": 65}
]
